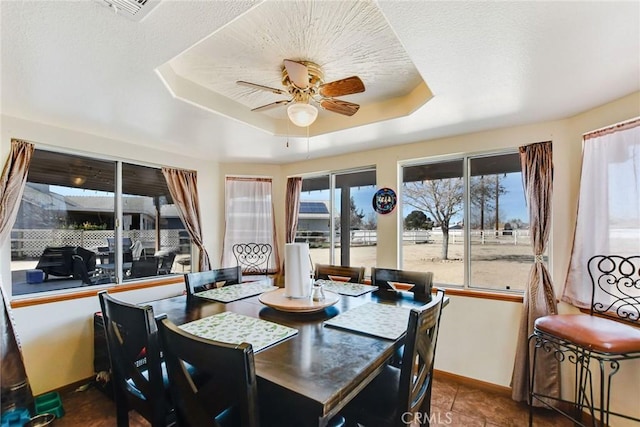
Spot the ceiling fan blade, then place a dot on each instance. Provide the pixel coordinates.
(342, 87)
(272, 105)
(261, 87)
(340, 107)
(298, 73)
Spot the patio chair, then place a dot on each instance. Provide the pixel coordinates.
(144, 268)
(165, 262)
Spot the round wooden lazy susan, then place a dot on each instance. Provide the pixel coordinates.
(278, 301)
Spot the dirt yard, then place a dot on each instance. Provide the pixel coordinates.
(499, 266)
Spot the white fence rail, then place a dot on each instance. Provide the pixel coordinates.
(370, 237)
(27, 244)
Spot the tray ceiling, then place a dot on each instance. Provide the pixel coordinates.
(345, 38)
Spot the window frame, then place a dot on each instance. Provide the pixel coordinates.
(120, 282)
(336, 259)
(466, 158)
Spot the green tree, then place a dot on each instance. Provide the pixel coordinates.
(417, 220)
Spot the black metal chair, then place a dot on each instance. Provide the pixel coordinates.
(146, 267)
(399, 396)
(253, 257)
(390, 282)
(165, 263)
(339, 273)
(134, 353)
(212, 383)
(602, 336)
(203, 280)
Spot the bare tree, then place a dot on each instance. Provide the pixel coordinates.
(485, 194)
(441, 198)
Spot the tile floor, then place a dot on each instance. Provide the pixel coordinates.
(453, 404)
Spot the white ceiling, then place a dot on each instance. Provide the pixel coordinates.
(78, 65)
(344, 38)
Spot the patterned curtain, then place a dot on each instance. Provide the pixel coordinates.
(14, 177)
(183, 186)
(14, 384)
(292, 205)
(539, 297)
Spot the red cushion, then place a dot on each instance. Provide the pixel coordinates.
(592, 332)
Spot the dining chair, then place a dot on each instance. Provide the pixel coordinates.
(390, 282)
(338, 273)
(210, 279)
(212, 383)
(136, 365)
(399, 396)
(253, 257)
(606, 336)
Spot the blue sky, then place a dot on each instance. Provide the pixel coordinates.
(512, 204)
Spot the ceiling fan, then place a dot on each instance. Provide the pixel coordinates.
(304, 83)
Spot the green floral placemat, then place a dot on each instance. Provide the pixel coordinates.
(235, 328)
(236, 292)
(346, 288)
(380, 320)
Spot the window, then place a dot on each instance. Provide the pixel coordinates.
(466, 220)
(337, 219)
(65, 231)
(249, 217)
(608, 221)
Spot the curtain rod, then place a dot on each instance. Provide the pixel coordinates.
(627, 124)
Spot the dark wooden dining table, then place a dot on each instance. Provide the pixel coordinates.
(312, 375)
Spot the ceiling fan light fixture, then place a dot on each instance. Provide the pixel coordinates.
(302, 115)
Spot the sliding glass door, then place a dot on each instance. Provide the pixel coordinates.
(337, 218)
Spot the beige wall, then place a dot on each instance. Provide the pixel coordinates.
(478, 336)
(57, 338)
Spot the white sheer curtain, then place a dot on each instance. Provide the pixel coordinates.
(249, 217)
(609, 205)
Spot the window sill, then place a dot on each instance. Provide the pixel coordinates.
(483, 294)
(29, 301)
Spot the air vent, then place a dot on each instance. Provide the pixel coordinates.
(135, 10)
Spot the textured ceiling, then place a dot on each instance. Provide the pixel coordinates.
(490, 65)
(344, 38)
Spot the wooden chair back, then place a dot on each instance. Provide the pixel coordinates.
(203, 280)
(134, 353)
(387, 279)
(339, 273)
(416, 373)
(209, 379)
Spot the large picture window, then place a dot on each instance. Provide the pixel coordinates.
(71, 215)
(466, 220)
